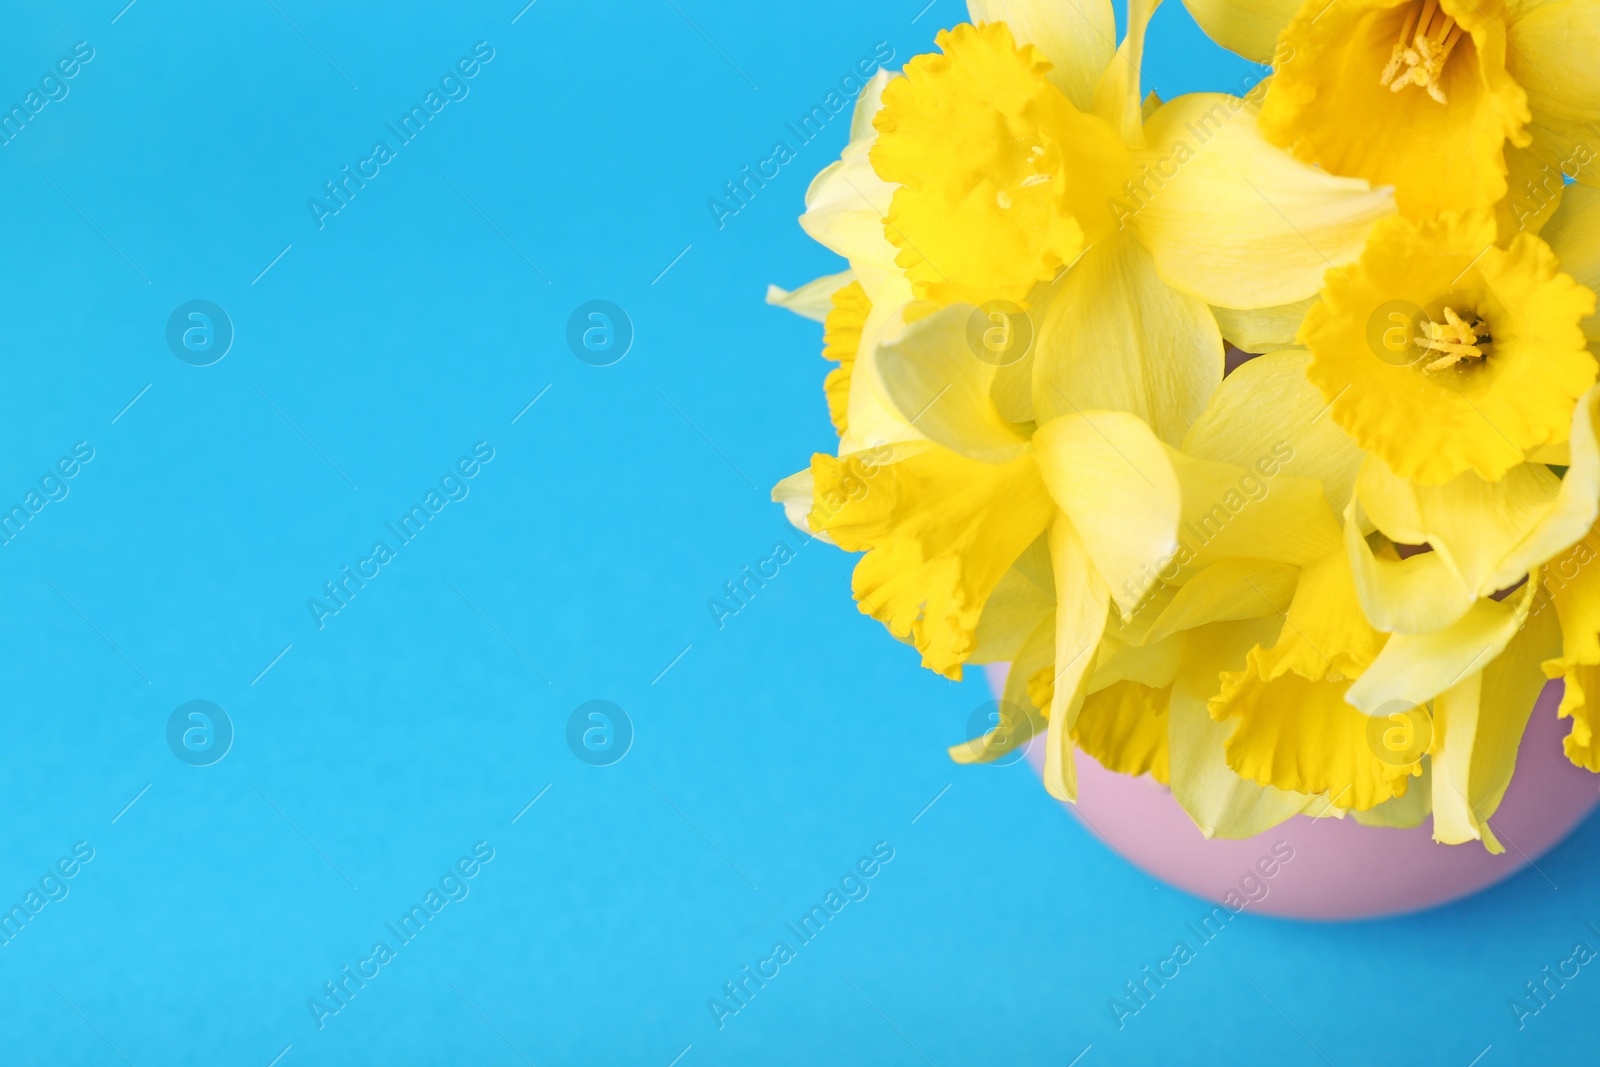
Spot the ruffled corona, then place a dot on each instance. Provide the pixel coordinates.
(1442, 353)
(994, 165)
(939, 531)
(841, 338)
(1409, 93)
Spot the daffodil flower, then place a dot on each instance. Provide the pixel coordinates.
(1457, 448)
(1453, 102)
(1376, 645)
(1001, 182)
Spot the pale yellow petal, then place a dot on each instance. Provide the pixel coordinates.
(1115, 482)
(1268, 418)
(1232, 512)
(1478, 728)
(812, 300)
(1221, 803)
(1266, 329)
(1153, 665)
(1239, 222)
(1024, 597)
(1083, 604)
(1573, 233)
(1415, 595)
(1226, 591)
(795, 494)
(1117, 98)
(1115, 336)
(1493, 533)
(940, 385)
(1474, 524)
(1036, 652)
(846, 204)
(1248, 27)
(871, 418)
(1078, 37)
(1552, 56)
(1415, 668)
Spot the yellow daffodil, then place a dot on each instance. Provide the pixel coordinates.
(1001, 181)
(1022, 149)
(1453, 102)
(1387, 667)
(1442, 353)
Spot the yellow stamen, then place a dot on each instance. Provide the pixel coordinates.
(1455, 339)
(1426, 41)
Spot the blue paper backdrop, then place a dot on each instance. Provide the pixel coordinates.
(375, 748)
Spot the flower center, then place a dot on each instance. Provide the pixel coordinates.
(1426, 41)
(1453, 340)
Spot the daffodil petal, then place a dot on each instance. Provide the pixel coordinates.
(1153, 664)
(1083, 605)
(1260, 330)
(1493, 533)
(940, 385)
(1228, 590)
(1555, 42)
(1415, 595)
(795, 493)
(1116, 97)
(1248, 27)
(1293, 729)
(1020, 600)
(1239, 222)
(846, 204)
(1573, 584)
(1124, 727)
(1298, 734)
(1414, 668)
(1036, 652)
(1573, 234)
(1474, 524)
(1221, 803)
(1078, 37)
(1116, 336)
(1231, 511)
(1403, 812)
(1478, 728)
(1268, 418)
(1114, 480)
(814, 299)
(1537, 190)
(871, 418)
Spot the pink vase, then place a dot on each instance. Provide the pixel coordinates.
(1340, 869)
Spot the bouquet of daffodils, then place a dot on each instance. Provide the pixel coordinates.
(1256, 433)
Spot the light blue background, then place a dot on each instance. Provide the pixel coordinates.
(429, 712)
